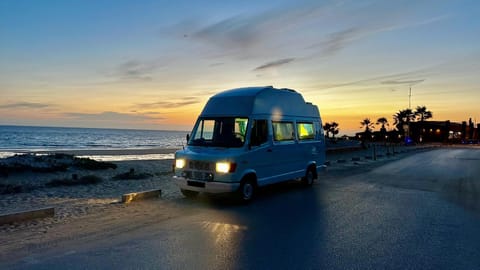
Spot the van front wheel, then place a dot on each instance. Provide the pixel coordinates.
(309, 177)
(246, 191)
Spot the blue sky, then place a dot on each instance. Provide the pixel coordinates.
(153, 64)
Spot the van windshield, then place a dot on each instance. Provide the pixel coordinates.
(220, 132)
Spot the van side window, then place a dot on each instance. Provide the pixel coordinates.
(306, 131)
(259, 133)
(283, 131)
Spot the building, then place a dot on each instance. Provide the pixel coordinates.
(429, 131)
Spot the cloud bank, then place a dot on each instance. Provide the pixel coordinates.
(25, 105)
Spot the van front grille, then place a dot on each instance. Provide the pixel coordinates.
(200, 165)
(197, 175)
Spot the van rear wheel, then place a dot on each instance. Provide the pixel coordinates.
(189, 193)
(309, 177)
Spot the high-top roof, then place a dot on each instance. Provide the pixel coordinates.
(259, 100)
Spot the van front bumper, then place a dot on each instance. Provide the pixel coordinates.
(203, 186)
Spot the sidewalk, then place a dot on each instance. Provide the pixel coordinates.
(373, 151)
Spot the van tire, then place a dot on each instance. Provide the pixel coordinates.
(310, 176)
(189, 193)
(247, 190)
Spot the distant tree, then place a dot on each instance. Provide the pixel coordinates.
(384, 122)
(327, 127)
(403, 117)
(422, 113)
(367, 124)
(332, 128)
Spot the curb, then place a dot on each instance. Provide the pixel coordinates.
(142, 195)
(27, 215)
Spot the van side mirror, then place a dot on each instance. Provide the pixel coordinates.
(188, 137)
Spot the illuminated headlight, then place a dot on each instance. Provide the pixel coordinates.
(225, 167)
(179, 163)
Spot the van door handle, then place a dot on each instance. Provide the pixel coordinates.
(269, 150)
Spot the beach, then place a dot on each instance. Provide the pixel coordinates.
(72, 202)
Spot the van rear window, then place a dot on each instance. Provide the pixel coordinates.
(306, 131)
(283, 131)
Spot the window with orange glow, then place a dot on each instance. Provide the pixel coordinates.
(306, 131)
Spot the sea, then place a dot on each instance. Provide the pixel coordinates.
(35, 139)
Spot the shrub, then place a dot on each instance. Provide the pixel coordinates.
(84, 180)
(10, 189)
(90, 164)
(131, 175)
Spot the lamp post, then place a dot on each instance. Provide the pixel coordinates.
(410, 98)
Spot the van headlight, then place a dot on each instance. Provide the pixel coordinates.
(225, 167)
(179, 163)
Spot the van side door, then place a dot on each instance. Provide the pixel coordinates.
(285, 150)
(260, 156)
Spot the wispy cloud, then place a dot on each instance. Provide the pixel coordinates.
(169, 104)
(409, 82)
(249, 35)
(392, 79)
(332, 26)
(336, 41)
(136, 70)
(109, 116)
(25, 105)
(274, 64)
(237, 31)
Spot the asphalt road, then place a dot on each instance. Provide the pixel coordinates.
(418, 212)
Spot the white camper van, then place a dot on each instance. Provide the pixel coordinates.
(250, 137)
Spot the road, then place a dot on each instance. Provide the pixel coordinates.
(418, 212)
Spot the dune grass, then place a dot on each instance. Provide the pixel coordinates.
(84, 180)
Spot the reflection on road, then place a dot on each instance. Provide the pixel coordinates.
(222, 232)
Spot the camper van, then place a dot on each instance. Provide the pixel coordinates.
(250, 137)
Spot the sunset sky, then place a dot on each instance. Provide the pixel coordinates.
(154, 64)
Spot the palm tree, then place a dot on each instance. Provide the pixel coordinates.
(334, 129)
(327, 128)
(384, 122)
(367, 124)
(403, 117)
(422, 113)
(331, 127)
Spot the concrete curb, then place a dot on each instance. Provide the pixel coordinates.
(142, 195)
(27, 215)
